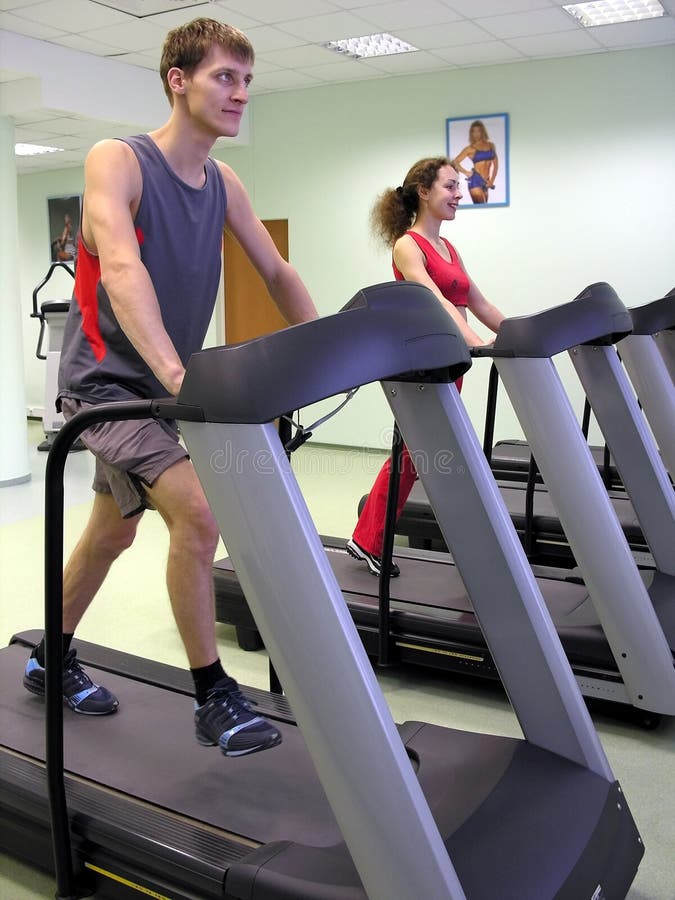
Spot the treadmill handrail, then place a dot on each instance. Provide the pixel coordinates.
(600, 319)
(53, 548)
(385, 330)
(659, 315)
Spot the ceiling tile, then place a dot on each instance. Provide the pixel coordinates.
(300, 57)
(16, 4)
(64, 125)
(634, 34)
(332, 27)
(10, 22)
(84, 44)
(488, 53)
(542, 21)
(7, 75)
(474, 9)
(560, 44)
(274, 11)
(128, 36)
(344, 70)
(451, 35)
(408, 63)
(406, 14)
(79, 16)
(356, 5)
(283, 81)
(266, 38)
(176, 17)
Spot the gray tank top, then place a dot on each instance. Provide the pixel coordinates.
(179, 230)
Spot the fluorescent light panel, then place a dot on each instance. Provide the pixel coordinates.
(34, 149)
(369, 45)
(609, 12)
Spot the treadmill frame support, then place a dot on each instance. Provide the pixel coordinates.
(636, 456)
(665, 341)
(327, 676)
(655, 388)
(485, 548)
(614, 583)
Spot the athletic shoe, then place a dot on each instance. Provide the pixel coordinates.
(79, 691)
(226, 719)
(373, 562)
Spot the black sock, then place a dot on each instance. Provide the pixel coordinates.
(205, 678)
(39, 652)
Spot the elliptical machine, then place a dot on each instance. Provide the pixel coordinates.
(52, 315)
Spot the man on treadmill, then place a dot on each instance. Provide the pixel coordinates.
(149, 262)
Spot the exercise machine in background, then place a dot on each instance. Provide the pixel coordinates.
(52, 315)
(616, 624)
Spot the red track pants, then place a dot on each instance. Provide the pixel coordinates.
(369, 531)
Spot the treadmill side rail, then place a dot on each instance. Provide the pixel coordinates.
(619, 595)
(317, 653)
(499, 580)
(655, 388)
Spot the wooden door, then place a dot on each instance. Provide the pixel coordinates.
(249, 309)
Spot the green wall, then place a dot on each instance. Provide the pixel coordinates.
(591, 177)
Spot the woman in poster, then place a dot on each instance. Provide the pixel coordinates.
(483, 155)
(66, 246)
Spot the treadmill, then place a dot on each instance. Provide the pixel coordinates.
(653, 380)
(349, 806)
(616, 624)
(533, 512)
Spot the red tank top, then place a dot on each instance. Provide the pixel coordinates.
(449, 277)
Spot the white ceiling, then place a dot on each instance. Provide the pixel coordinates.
(286, 35)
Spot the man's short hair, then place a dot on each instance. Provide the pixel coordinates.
(186, 46)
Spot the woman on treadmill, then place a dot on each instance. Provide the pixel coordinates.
(409, 218)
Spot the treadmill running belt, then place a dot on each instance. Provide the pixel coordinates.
(147, 750)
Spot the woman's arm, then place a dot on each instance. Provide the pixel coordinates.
(409, 261)
(466, 153)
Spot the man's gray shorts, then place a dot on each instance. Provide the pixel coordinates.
(129, 455)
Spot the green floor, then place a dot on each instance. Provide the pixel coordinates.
(132, 613)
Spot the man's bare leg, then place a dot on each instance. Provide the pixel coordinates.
(105, 537)
(193, 538)
(223, 716)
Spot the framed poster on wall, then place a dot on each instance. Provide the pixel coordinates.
(479, 146)
(64, 225)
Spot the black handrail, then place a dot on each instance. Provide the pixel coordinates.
(39, 313)
(384, 641)
(66, 888)
(490, 412)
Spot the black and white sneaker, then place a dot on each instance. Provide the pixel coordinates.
(373, 562)
(226, 719)
(80, 693)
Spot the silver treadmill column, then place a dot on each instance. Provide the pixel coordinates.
(632, 446)
(288, 582)
(648, 370)
(523, 352)
(665, 341)
(489, 556)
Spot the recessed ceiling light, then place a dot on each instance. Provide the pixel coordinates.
(609, 12)
(34, 149)
(369, 45)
